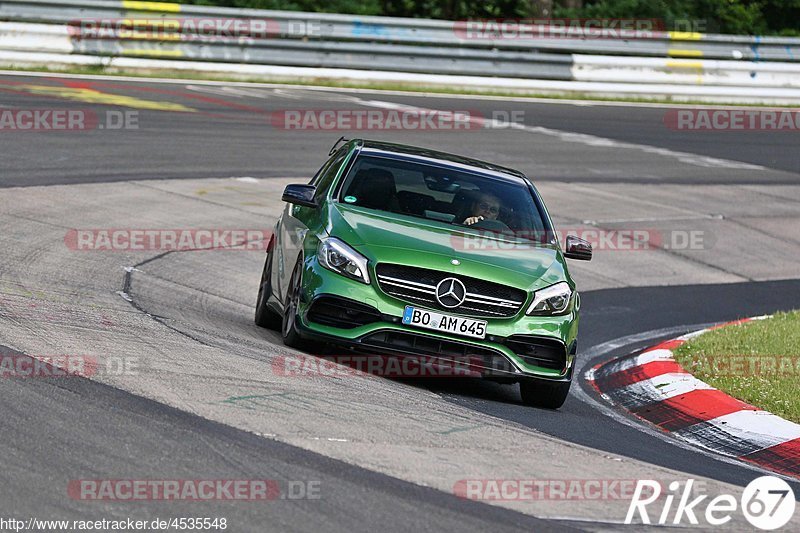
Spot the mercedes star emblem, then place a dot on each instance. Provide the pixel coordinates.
(450, 292)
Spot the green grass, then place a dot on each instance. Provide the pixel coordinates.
(176, 75)
(757, 362)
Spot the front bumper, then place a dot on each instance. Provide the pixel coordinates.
(514, 348)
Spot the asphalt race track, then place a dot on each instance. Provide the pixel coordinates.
(206, 403)
(183, 143)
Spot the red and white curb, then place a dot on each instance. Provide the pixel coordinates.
(655, 388)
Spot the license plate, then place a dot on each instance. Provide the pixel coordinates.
(423, 318)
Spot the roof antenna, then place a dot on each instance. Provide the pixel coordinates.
(336, 144)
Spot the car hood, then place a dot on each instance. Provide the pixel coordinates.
(394, 238)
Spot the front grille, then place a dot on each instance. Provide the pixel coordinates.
(539, 351)
(418, 286)
(490, 361)
(341, 312)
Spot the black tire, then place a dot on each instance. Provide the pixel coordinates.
(547, 394)
(291, 337)
(266, 317)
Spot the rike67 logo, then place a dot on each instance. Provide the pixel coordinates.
(767, 503)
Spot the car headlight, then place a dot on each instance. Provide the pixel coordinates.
(336, 255)
(552, 300)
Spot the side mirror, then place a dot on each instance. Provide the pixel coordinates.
(577, 248)
(300, 194)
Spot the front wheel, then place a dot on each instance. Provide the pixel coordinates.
(547, 394)
(265, 316)
(291, 337)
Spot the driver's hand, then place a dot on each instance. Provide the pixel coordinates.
(472, 220)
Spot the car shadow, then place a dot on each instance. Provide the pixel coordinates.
(456, 384)
(475, 388)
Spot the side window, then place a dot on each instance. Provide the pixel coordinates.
(322, 181)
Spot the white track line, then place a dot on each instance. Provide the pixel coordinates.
(582, 138)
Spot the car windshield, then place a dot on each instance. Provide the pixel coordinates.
(444, 194)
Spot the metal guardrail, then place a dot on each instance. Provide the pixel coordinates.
(294, 52)
(397, 31)
(42, 31)
(349, 55)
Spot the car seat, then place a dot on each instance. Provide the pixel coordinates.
(374, 188)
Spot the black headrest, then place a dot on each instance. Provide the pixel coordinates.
(374, 187)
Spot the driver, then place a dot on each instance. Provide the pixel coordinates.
(485, 207)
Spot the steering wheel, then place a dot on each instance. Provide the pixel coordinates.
(491, 225)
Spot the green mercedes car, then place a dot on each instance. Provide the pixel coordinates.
(402, 251)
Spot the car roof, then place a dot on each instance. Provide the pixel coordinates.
(387, 149)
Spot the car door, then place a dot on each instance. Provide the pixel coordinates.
(294, 223)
